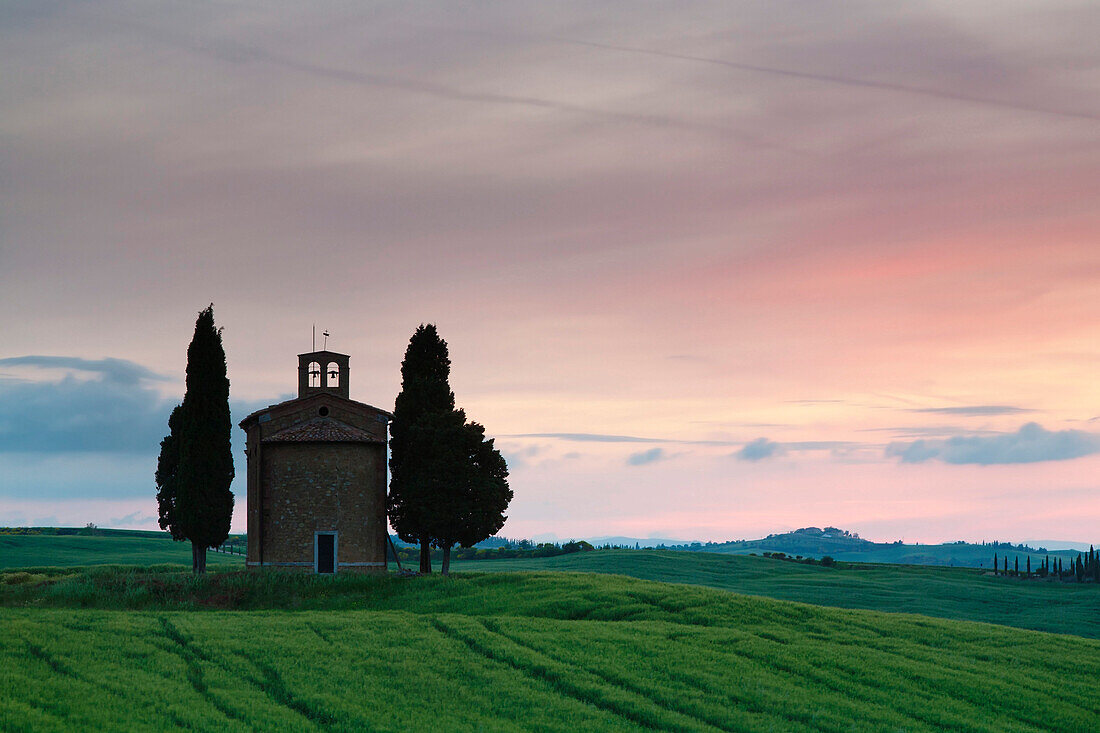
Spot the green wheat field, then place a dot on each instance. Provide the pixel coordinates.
(536, 645)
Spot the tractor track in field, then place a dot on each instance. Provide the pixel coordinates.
(192, 657)
(51, 661)
(276, 689)
(745, 703)
(560, 685)
(919, 656)
(320, 634)
(492, 627)
(57, 715)
(555, 681)
(58, 667)
(270, 682)
(848, 685)
(61, 668)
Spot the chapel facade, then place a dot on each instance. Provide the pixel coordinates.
(317, 476)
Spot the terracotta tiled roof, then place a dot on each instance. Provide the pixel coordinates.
(322, 430)
(318, 397)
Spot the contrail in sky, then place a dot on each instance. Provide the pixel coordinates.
(448, 92)
(238, 53)
(842, 80)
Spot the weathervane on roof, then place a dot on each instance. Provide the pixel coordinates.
(324, 333)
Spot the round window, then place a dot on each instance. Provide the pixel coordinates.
(323, 412)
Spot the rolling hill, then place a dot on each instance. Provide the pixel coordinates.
(106, 547)
(511, 651)
(841, 545)
(956, 593)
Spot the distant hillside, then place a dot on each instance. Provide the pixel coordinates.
(68, 546)
(618, 541)
(955, 593)
(62, 547)
(844, 545)
(88, 531)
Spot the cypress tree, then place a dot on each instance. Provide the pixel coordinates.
(996, 569)
(471, 506)
(422, 417)
(203, 503)
(1016, 569)
(1029, 566)
(167, 465)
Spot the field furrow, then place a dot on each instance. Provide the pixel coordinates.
(518, 652)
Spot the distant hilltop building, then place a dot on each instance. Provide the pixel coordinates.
(317, 476)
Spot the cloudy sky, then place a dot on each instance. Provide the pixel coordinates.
(707, 270)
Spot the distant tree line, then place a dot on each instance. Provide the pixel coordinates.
(1009, 546)
(88, 530)
(523, 549)
(825, 561)
(43, 530)
(1085, 568)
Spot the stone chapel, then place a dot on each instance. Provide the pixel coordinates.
(317, 476)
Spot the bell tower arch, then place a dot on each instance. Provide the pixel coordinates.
(323, 371)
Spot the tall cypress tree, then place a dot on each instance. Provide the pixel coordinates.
(422, 416)
(471, 505)
(201, 505)
(995, 568)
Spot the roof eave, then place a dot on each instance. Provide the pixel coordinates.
(248, 420)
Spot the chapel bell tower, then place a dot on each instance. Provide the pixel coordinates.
(317, 476)
(323, 371)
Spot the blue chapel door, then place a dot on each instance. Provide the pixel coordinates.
(325, 552)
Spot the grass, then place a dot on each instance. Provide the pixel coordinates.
(956, 593)
(953, 593)
(509, 651)
(18, 551)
